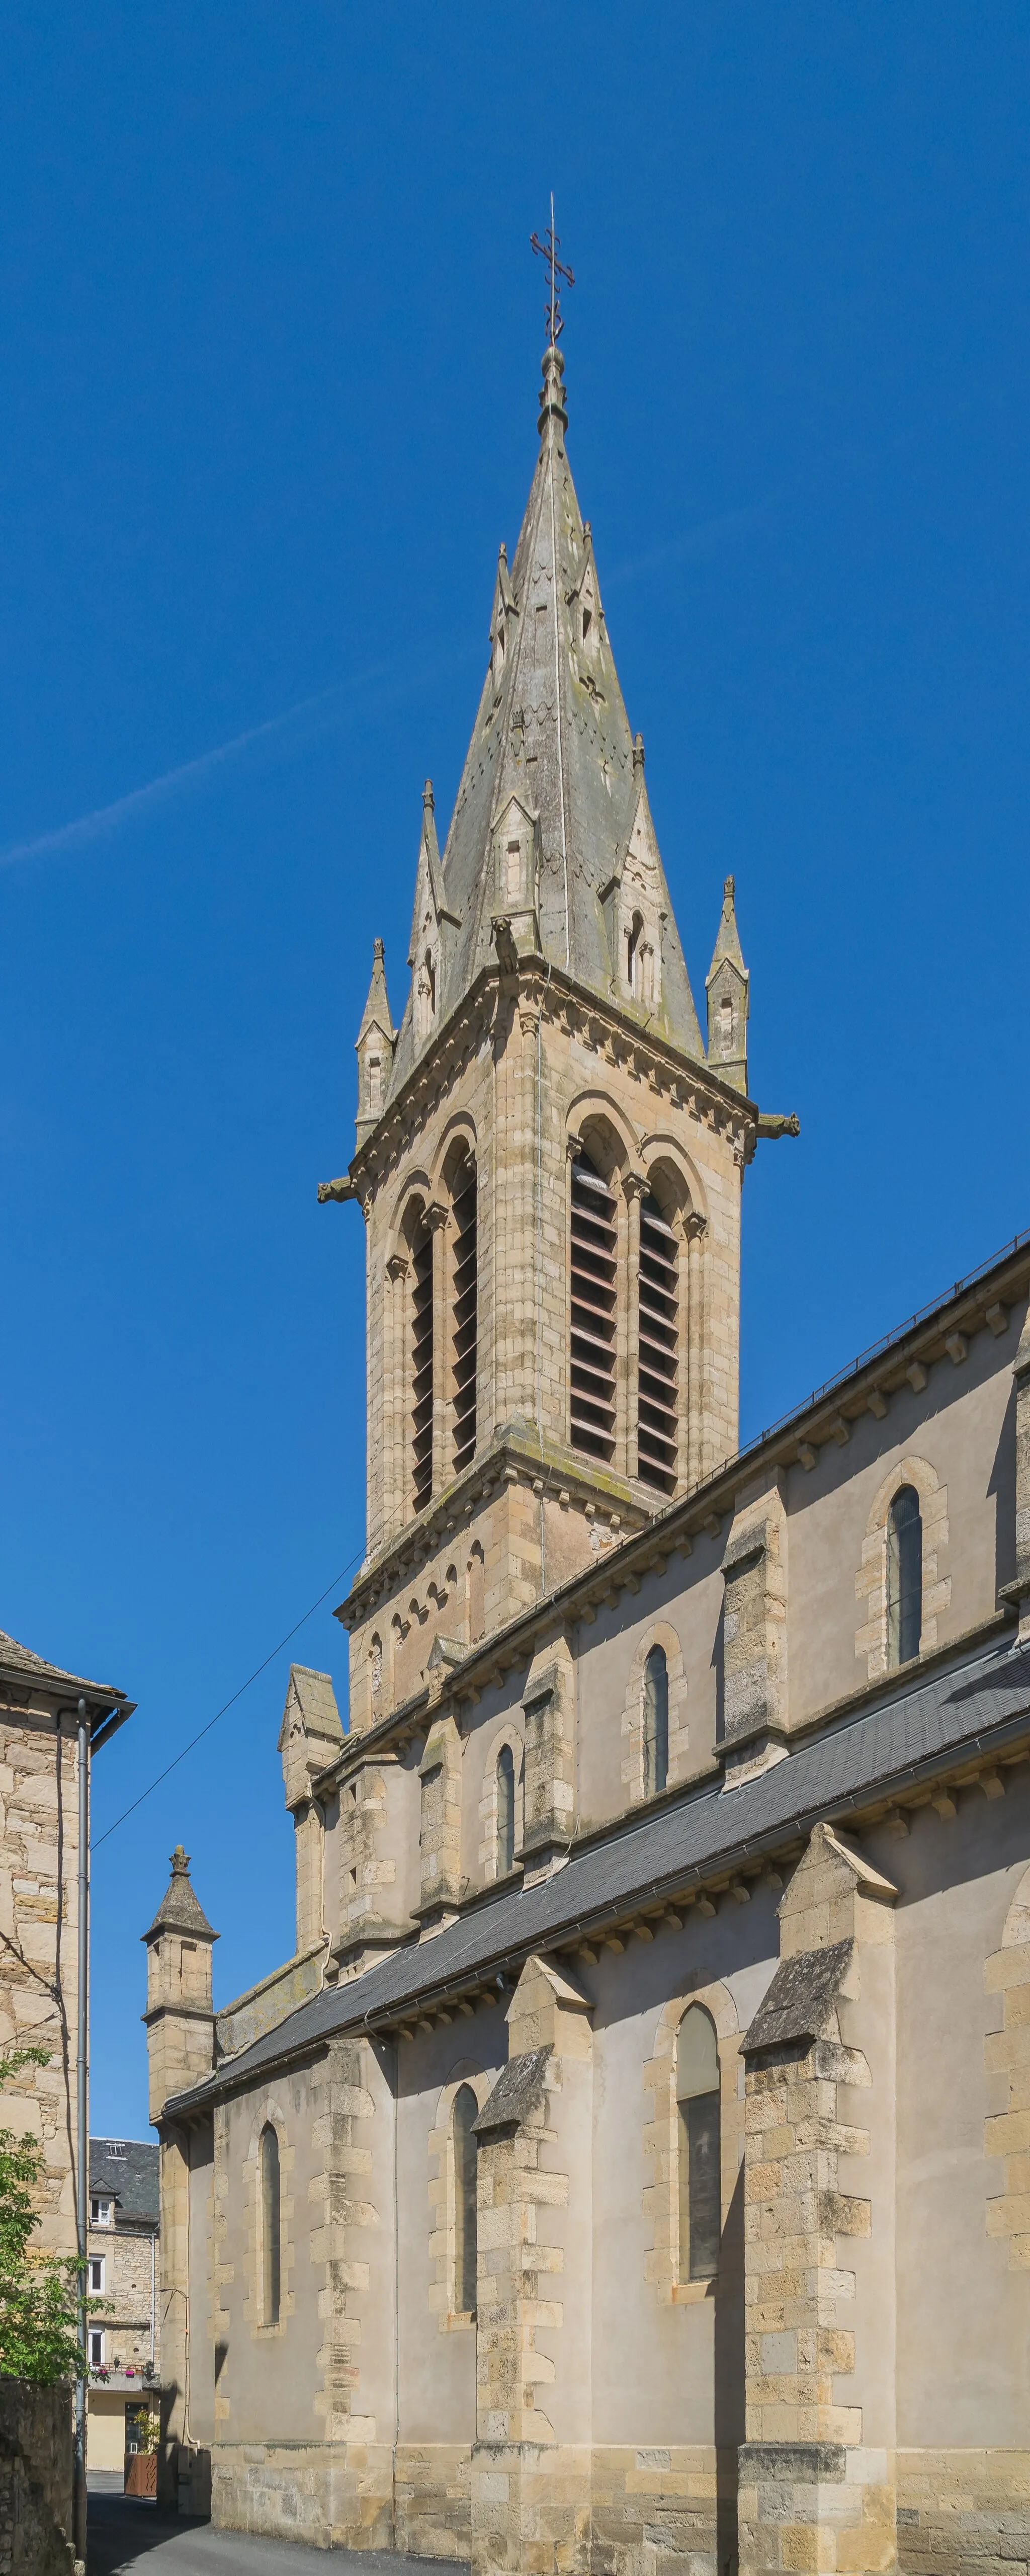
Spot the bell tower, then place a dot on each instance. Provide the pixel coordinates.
(549, 1164)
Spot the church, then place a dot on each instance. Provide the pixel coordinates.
(630, 2169)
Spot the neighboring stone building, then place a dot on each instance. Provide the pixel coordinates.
(42, 1711)
(631, 2167)
(122, 2249)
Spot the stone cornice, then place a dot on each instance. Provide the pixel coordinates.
(729, 1875)
(511, 1458)
(620, 1040)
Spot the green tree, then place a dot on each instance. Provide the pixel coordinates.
(40, 2297)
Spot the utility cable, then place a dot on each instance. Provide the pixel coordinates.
(226, 1705)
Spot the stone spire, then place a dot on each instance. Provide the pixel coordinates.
(726, 984)
(550, 768)
(180, 1909)
(374, 1047)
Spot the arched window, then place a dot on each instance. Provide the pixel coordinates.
(593, 1285)
(464, 1313)
(422, 1367)
(657, 1441)
(466, 2110)
(505, 1811)
(700, 2189)
(656, 1722)
(904, 1576)
(271, 2253)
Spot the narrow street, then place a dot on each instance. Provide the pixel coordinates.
(126, 2535)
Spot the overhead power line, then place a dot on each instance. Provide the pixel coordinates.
(226, 1705)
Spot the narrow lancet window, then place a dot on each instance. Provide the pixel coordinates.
(505, 1811)
(271, 2258)
(592, 1357)
(466, 2110)
(700, 2188)
(904, 1577)
(657, 1426)
(656, 1722)
(422, 1368)
(464, 1314)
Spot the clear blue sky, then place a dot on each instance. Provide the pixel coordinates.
(271, 334)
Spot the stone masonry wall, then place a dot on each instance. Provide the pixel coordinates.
(35, 2480)
(38, 1979)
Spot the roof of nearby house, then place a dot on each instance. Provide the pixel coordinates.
(972, 1706)
(129, 2176)
(15, 1658)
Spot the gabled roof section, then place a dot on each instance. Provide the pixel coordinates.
(310, 1706)
(552, 728)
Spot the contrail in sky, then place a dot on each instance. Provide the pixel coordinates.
(309, 717)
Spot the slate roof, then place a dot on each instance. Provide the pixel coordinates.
(799, 1998)
(15, 1658)
(571, 758)
(130, 2178)
(922, 1727)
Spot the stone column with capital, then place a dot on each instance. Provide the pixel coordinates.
(695, 1230)
(395, 1390)
(438, 1221)
(634, 1189)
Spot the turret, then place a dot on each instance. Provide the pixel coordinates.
(727, 987)
(180, 2018)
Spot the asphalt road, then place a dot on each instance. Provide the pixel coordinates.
(125, 2536)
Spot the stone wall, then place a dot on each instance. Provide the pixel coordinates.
(38, 1985)
(35, 2480)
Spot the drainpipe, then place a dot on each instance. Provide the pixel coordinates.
(82, 2105)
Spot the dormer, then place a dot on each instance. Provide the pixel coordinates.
(374, 1048)
(584, 601)
(431, 920)
(726, 984)
(633, 902)
(516, 870)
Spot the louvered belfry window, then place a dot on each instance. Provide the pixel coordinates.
(592, 1370)
(422, 1368)
(657, 1431)
(464, 1314)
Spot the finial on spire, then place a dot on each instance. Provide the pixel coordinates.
(638, 753)
(180, 1862)
(428, 798)
(547, 250)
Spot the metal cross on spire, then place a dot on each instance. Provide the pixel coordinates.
(548, 250)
